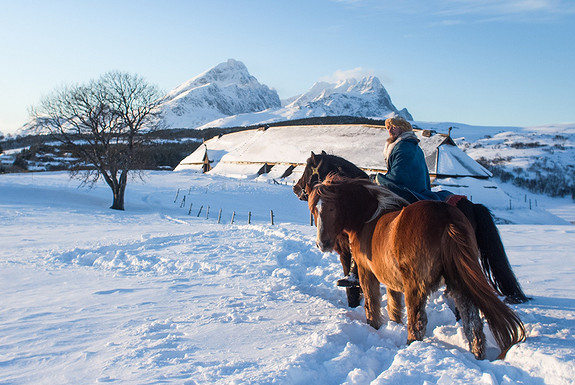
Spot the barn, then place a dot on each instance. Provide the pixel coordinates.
(279, 154)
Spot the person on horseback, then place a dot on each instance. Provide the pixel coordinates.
(407, 174)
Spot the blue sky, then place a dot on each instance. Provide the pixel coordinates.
(484, 62)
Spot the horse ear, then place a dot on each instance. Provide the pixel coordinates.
(323, 152)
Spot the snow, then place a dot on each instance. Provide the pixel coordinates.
(164, 294)
(293, 144)
(452, 161)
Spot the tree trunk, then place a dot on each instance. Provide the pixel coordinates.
(118, 203)
(119, 189)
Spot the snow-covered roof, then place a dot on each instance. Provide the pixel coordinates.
(243, 153)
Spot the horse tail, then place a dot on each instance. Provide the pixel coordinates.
(463, 273)
(494, 260)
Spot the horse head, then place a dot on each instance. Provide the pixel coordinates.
(319, 166)
(338, 204)
(313, 174)
(328, 215)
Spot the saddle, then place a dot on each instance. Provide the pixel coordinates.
(454, 199)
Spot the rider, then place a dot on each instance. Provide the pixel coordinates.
(407, 174)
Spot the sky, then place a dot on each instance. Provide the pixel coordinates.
(480, 62)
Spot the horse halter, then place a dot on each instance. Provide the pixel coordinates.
(314, 172)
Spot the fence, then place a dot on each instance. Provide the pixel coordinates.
(181, 199)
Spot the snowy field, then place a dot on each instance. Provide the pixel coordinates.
(162, 293)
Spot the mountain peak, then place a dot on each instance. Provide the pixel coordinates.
(231, 71)
(362, 85)
(224, 90)
(226, 73)
(351, 96)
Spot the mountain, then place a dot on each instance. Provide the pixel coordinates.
(227, 95)
(365, 97)
(225, 90)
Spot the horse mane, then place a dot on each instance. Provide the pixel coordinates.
(336, 187)
(343, 166)
(387, 200)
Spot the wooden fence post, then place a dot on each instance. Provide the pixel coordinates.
(199, 212)
(177, 194)
(190, 210)
(272, 216)
(249, 217)
(220, 216)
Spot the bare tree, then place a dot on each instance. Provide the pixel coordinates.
(104, 122)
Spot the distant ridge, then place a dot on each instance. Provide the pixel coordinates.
(317, 120)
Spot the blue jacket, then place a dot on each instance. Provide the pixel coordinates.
(407, 173)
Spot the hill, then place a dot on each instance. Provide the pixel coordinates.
(540, 159)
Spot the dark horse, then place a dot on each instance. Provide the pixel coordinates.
(411, 249)
(493, 259)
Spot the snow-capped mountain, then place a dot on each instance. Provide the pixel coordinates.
(227, 95)
(225, 90)
(364, 97)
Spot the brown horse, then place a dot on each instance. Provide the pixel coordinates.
(494, 261)
(412, 249)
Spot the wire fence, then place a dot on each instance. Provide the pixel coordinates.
(207, 212)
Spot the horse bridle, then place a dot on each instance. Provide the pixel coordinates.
(314, 172)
